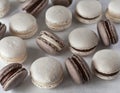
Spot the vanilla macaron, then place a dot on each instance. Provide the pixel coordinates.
(4, 7)
(83, 41)
(113, 11)
(46, 72)
(58, 18)
(12, 50)
(106, 64)
(88, 11)
(23, 25)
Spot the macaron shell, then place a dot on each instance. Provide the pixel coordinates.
(15, 80)
(102, 33)
(114, 8)
(73, 72)
(83, 38)
(50, 71)
(88, 21)
(112, 18)
(89, 9)
(107, 61)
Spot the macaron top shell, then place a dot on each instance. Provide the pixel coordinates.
(46, 70)
(22, 22)
(114, 7)
(3, 4)
(12, 47)
(89, 8)
(83, 38)
(107, 61)
(58, 14)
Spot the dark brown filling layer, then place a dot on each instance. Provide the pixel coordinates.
(86, 18)
(104, 74)
(35, 6)
(87, 50)
(2, 27)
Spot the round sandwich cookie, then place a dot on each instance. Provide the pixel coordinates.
(50, 43)
(23, 25)
(88, 11)
(34, 7)
(83, 41)
(106, 64)
(12, 75)
(113, 11)
(2, 30)
(78, 69)
(12, 50)
(107, 32)
(58, 18)
(4, 7)
(46, 72)
(62, 2)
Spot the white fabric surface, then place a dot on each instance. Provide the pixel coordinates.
(68, 86)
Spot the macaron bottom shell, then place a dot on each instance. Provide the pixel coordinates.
(48, 86)
(105, 76)
(26, 34)
(112, 18)
(88, 20)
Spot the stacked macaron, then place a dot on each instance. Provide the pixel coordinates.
(47, 72)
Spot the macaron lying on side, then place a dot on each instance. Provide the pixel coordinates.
(12, 75)
(13, 50)
(46, 72)
(50, 42)
(106, 64)
(83, 41)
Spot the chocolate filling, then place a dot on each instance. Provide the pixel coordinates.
(104, 74)
(86, 18)
(8, 75)
(87, 50)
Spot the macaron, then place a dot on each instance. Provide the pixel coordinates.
(106, 64)
(62, 2)
(50, 43)
(34, 7)
(46, 72)
(58, 18)
(88, 11)
(83, 41)
(78, 69)
(2, 30)
(4, 7)
(23, 25)
(12, 75)
(113, 11)
(107, 32)
(13, 50)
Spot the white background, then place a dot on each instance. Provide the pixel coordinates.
(68, 86)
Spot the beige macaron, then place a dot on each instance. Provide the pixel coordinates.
(58, 18)
(23, 25)
(113, 11)
(13, 50)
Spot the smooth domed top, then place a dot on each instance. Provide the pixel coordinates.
(58, 15)
(46, 70)
(89, 8)
(22, 21)
(114, 7)
(83, 38)
(107, 61)
(12, 47)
